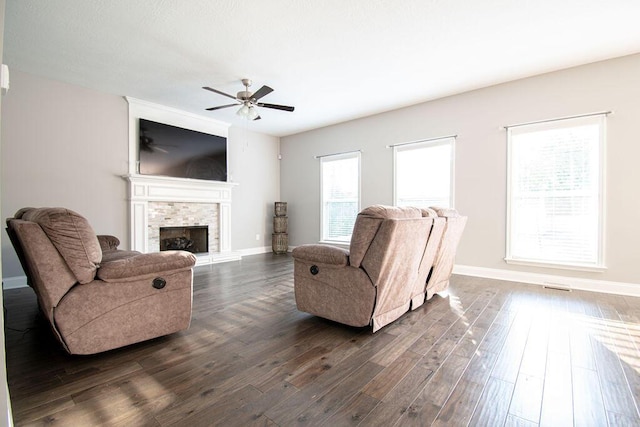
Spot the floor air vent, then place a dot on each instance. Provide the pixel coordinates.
(557, 287)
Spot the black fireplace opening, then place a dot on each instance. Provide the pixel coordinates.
(194, 239)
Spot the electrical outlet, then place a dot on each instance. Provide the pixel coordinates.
(257, 237)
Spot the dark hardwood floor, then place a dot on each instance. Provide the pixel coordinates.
(490, 354)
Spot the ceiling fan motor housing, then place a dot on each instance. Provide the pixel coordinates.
(244, 95)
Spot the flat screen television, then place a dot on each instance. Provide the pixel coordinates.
(167, 150)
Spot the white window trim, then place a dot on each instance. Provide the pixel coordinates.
(333, 157)
(445, 140)
(600, 265)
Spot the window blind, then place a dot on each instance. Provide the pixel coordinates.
(340, 182)
(555, 187)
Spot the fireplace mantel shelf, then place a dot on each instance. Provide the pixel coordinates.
(169, 189)
(188, 181)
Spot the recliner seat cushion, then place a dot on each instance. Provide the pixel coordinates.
(72, 236)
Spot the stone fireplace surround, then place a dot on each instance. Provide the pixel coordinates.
(156, 201)
(182, 214)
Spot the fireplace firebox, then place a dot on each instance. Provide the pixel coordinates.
(194, 239)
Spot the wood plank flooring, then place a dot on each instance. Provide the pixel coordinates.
(490, 354)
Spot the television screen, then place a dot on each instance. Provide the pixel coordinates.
(183, 153)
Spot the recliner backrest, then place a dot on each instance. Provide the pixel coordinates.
(73, 237)
(367, 224)
(57, 249)
(46, 270)
(388, 243)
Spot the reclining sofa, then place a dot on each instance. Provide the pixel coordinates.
(398, 258)
(95, 296)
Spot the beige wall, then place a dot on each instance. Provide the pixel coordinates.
(254, 165)
(64, 145)
(480, 179)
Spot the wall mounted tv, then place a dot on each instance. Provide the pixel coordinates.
(183, 153)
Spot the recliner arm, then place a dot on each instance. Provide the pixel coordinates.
(138, 266)
(108, 243)
(322, 254)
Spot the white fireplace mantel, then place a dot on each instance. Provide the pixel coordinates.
(146, 188)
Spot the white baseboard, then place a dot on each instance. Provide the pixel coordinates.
(14, 282)
(603, 286)
(217, 257)
(255, 251)
(261, 250)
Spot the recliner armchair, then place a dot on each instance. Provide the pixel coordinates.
(375, 281)
(97, 297)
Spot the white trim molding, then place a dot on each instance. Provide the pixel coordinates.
(564, 282)
(557, 265)
(144, 189)
(255, 251)
(14, 282)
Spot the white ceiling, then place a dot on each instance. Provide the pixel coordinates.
(334, 60)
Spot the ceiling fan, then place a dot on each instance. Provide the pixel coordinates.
(248, 101)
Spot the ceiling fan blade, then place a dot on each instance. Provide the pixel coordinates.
(218, 92)
(276, 107)
(221, 106)
(264, 90)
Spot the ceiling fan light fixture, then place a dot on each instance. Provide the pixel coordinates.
(244, 111)
(253, 113)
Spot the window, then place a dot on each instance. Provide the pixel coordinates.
(424, 173)
(555, 192)
(340, 181)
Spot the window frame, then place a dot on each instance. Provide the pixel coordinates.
(329, 158)
(599, 265)
(427, 143)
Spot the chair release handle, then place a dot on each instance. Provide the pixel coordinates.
(159, 283)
